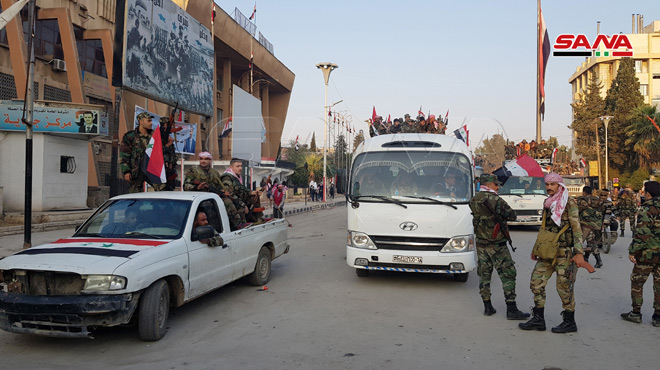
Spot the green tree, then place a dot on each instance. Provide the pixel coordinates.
(358, 139)
(312, 145)
(623, 98)
(644, 137)
(586, 111)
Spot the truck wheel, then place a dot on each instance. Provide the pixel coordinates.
(261, 272)
(462, 277)
(154, 311)
(362, 272)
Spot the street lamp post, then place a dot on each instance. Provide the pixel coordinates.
(326, 68)
(606, 121)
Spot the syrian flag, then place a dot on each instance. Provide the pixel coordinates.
(544, 55)
(389, 120)
(523, 166)
(254, 12)
(374, 115)
(583, 163)
(226, 129)
(554, 154)
(420, 113)
(213, 14)
(296, 145)
(447, 116)
(154, 164)
(462, 133)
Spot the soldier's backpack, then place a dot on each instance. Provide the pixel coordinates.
(546, 246)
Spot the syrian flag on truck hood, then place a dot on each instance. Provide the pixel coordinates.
(154, 163)
(523, 166)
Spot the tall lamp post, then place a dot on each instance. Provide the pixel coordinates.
(606, 121)
(326, 68)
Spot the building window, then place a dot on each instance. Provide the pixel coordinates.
(644, 89)
(640, 66)
(90, 54)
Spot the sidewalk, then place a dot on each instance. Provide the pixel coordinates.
(56, 220)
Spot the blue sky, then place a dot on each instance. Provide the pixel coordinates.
(476, 59)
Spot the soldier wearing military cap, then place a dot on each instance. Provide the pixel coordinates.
(489, 216)
(132, 152)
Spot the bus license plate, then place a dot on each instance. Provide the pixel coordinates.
(407, 259)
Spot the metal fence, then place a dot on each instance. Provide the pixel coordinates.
(265, 43)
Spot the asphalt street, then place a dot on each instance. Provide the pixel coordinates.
(317, 314)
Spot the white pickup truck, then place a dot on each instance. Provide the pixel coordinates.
(133, 259)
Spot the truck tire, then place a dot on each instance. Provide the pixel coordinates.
(261, 272)
(462, 277)
(362, 272)
(154, 311)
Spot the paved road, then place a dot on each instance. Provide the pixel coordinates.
(317, 314)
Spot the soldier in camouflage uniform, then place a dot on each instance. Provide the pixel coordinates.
(644, 253)
(132, 152)
(627, 208)
(591, 222)
(243, 197)
(205, 178)
(492, 250)
(559, 210)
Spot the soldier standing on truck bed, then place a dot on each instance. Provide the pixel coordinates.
(489, 215)
(132, 152)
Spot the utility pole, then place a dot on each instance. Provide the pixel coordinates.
(326, 68)
(27, 120)
(606, 121)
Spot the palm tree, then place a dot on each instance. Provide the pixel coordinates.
(644, 135)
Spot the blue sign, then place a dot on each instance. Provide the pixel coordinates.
(61, 118)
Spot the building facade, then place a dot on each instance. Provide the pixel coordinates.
(74, 44)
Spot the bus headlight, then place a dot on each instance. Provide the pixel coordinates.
(360, 240)
(461, 243)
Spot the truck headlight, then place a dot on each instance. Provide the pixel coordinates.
(461, 243)
(360, 240)
(98, 283)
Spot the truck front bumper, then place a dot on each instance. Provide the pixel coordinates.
(64, 316)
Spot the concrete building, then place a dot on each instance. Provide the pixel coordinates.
(81, 34)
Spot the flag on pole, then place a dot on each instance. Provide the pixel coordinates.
(583, 163)
(251, 59)
(389, 119)
(447, 116)
(374, 115)
(213, 14)
(462, 133)
(523, 166)
(295, 145)
(554, 154)
(254, 12)
(420, 113)
(226, 129)
(544, 55)
(154, 164)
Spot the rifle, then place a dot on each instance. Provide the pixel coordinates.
(501, 225)
(221, 192)
(167, 129)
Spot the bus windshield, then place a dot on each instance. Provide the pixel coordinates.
(519, 185)
(409, 175)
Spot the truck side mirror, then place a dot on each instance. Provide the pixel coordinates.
(203, 232)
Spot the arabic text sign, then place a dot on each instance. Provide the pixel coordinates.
(54, 119)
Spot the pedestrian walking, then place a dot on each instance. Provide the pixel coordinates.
(332, 189)
(489, 216)
(644, 253)
(558, 249)
(279, 195)
(627, 208)
(591, 222)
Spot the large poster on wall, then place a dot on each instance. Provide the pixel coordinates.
(168, 55)
(185, 140)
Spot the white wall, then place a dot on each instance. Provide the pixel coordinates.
(50, 188)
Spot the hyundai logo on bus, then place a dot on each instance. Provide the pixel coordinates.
(408, 226)
(568, 45)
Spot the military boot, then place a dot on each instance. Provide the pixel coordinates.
(632, 316)
(568, 325)
(586, 256)
(513, 313)
(536, 322)
(655, 320)
(488, 308)
(621, 232)
(599, 261)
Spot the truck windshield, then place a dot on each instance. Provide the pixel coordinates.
(409, 176)
(138, 218)
(520, 185)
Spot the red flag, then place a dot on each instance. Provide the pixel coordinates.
(154, 163)
(251, 59)
(373, 115)
(554, 155)
(420, 113)
(213, 14)
(388, 119)
(447, 115)
(254, 12)
(544, 55)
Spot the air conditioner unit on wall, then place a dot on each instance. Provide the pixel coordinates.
(59, 65)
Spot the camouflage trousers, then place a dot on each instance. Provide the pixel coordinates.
(623, 215)
(496, 257)
(137, 185)
(542, 273)
(236, 217)
(638, 277)
(594, 239)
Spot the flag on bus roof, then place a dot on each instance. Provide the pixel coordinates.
(462, 133)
